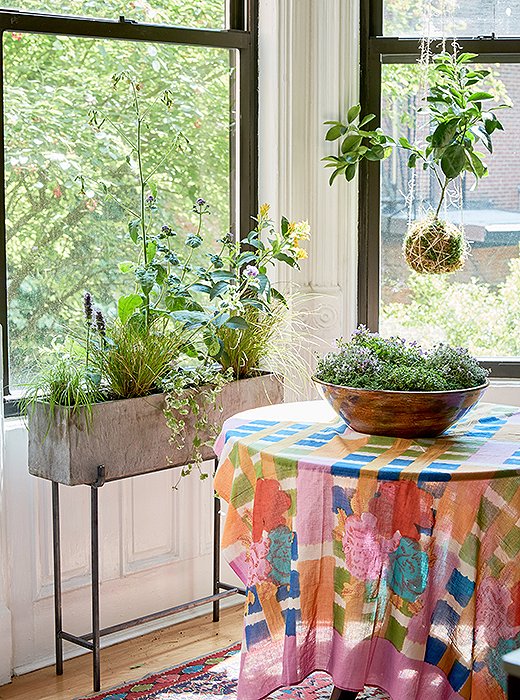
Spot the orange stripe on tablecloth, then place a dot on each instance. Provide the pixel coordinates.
(246, 463)
(268, 466)
(436, 450)
(339, 447)
(396, 450)
(224, 479)
(235, 528)
(317, 590)
(266, 591)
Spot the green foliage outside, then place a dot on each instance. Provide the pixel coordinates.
(483, 318)
(62, 238)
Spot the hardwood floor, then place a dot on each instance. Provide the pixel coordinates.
(130, 660)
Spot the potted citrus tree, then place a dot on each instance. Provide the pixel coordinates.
(459, 125)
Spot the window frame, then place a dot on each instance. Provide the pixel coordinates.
(240, 35)
(376, 50)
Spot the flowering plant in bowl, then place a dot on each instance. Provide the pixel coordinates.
(388, 386)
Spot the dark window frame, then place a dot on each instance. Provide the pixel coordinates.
(241, 35)
(376, 50)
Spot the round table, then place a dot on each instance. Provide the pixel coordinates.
(380, 561)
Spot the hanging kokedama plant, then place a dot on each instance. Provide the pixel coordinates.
(458, 125)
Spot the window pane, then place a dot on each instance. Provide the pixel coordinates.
(196, 13)
(451, 17)
(478, 306)
(62, 241)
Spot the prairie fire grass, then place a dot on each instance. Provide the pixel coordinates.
(272, 341)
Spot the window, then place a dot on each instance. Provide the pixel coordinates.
(189, 13)
(67, 184)
(478, 306)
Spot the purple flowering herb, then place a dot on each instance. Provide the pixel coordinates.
(150, 199)
(251, 271)
(87, 306)
(99, 322)
(200, 202)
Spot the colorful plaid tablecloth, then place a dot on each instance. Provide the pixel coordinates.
(383, 561)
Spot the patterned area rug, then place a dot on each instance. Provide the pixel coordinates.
(215, 676)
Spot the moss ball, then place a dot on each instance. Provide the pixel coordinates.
(435, 247)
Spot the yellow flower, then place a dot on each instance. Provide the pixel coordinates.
(301, 254)
(301, 231)
(264, 211)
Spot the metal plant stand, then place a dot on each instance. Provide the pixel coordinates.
(91, 640)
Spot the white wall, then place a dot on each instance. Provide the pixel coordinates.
(309, 67)
(155, 552)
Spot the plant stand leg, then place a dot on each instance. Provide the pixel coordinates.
(216, 555)
(94, 549)
(56, 548)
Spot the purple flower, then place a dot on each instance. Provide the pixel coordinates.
(165, 228)
(251, 271)
(99, 322)
(201, 202)
(150, 199)
(87, 306)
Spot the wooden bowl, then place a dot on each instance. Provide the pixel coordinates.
(406, 414)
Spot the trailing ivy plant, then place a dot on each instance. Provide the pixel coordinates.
(184, 397)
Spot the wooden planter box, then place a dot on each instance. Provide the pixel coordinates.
(130, 436)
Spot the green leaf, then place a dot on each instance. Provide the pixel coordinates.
(351, 143)
(479, 96)
(412, 160)
(377, 152)
(286, 259)
(213, 344)
(334, 133)
(483, 135)
(403, 141)
(151, 249)
(218, 289)
(453, 161)
(278, 296)
(479, 168)
(133, 229)
(127, 305)
(193, 318)
(200, 287)
(263, 283)
(350, 172)
(222, 275)
(334, 175)
(221, 319)
(466, 57)
(126, 266)
(245, 257)
(353, 113)
(444, 133)
(284, 226)
(237, 322)
(366, 119)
